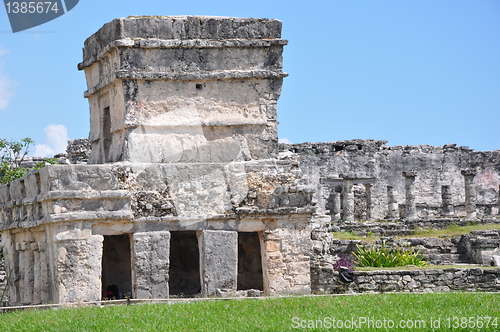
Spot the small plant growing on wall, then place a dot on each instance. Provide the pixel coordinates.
(388, 257)
(344, 265)
(343, 261)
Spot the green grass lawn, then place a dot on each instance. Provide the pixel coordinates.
(274, 314)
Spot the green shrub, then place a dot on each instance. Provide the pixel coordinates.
(388, 256)
(12, 154)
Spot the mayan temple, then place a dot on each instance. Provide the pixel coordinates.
(187, 191)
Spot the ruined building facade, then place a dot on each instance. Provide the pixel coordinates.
(183, 192)
(186, 189)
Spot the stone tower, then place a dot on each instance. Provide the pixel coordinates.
(184, 89)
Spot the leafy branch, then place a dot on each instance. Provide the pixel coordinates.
(12, 154)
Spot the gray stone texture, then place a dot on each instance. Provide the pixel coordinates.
(219, 261)
(326, 281)
(150, 263)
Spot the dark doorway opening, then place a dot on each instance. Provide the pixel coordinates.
(249, 262)
(184, 274)
(116, 267)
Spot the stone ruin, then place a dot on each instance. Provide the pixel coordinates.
(185, 189)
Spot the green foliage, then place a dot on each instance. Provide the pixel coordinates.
(12, 154)
(388, 256)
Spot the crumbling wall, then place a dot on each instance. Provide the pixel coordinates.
(438, 183)
(326, 281)
(78, 151)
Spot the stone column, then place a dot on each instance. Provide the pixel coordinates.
(11, 252)
(218, 261)
(348, 209)
(19, 277)
(37, 291)
(44, 273)
(368, 189)
(392, 204)
(411, 207)
(150, 264)
(447, 198)
(78, 266)
(470, 193)
(336, 203)
(25, 272)
(29, 273)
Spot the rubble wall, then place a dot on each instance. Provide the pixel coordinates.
(326, 281)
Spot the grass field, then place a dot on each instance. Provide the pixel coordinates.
(369, 312)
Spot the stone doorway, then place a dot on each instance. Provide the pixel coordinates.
(184, 276)
(116, 267)
(249, 261)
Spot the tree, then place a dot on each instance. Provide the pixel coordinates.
(12, 154)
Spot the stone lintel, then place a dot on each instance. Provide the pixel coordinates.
(355, 180)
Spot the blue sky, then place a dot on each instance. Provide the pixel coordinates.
(410, 72)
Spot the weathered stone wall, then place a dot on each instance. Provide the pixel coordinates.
(326, 281)
(53, 220)
(287, 261)
(434, 185)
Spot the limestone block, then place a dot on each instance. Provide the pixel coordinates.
(32, 185)
(17, 189)
(150, 259)
(78, 177)
(219, 260)
(78, 271)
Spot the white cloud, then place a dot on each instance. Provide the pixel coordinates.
(56, 135)
(6, 84)
(43, 150)
(284, 140)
